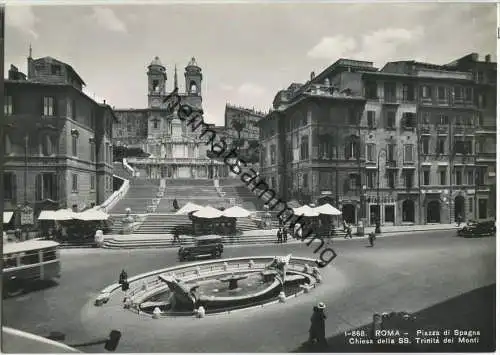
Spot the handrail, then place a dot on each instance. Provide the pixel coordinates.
(128, 167)
(116, 196)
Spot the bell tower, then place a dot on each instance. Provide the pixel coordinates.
(193, 78)
(157, 79)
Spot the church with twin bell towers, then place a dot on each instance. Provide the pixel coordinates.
(170, 148)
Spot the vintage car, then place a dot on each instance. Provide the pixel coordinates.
(203, 246)
(477, 229)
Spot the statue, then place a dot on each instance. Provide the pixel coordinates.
(182, 298)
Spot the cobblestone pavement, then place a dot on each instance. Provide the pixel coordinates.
(407, 273)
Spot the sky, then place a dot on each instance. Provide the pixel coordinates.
(247, 51)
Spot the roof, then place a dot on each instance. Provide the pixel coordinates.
(68, 67)
(28, 245)
(113, 114)
(156, 61)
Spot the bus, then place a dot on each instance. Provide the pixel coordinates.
(27, 262)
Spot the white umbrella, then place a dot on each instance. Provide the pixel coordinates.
(208, 212)
(64, 215)
(236, 212)
(188, 208)
(328, 209)
(305, 211)
(46, 216)
(92, 215)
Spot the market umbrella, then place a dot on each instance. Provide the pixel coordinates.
(64, 215)
(92, 215)
(236, 212)
(328, 209)
(208, 212)
(188, 208)
(47, 216)
(305, 211)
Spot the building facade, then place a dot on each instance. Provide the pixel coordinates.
(405, 140)
(175, 150)
(58, 140)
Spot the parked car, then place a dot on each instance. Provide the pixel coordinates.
(478, 229)
(203, 246)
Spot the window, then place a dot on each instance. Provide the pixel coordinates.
(74, 183)
(468, 146)
(426, 92)
(391, 119)
(408, 92)
(353, 116)
(458, 93)
(110, 148)
(481, 102)
(371, 91)
(55, 69)
(371, 119)
(442, 177)
(370, 152)
(391, 152)
(459, 147)
(263, 156)
(426, 177)
(441, 93)
(408, 178)
(440, 146)
(409, 120)
(354, 181)
(8, 106)
(443, 120)
(74, 145)
(426, 117)
(46, 186)
(155, 85)
(480, 76)
(391, 179)
(408, 158)
(273, 154)
(468, 94)
(371, 176)
(389, 92)
(458, 177)
(304, 148)
(425, 145)
(459, 120)
(305, 181)
(48, 106)
(470, 177)
(92, 182)
(9, 186)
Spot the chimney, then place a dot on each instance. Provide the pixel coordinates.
(487, 58)
(312, 75)
(104, 101)
(474, 57)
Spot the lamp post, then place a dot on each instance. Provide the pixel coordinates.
(377, 222)
(26, 169)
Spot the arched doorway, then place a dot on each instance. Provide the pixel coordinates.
(459, 207)
(349, 213)
(434, 212)
(408, 211)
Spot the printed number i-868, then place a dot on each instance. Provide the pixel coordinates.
(355, 333)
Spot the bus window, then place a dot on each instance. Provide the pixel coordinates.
(49, 254)
(9, 261)
(30, 258)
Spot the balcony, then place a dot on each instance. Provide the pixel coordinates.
(425, 130)
(179, 161)
(390, 99)
(486, 130)
(391, 164)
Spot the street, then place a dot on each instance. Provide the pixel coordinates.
(401, 273)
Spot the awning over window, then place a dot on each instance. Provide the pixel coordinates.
(7, 216)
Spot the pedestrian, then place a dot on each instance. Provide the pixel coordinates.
(459, 220)
(123, 277)
(279, 235)
(176, 237)
(317, 329)
(371, 238)
(348, 233)
(285, 235)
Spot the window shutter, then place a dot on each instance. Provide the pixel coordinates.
(54, 187)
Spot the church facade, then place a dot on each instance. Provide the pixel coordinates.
(173, 149)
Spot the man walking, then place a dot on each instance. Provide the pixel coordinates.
(279, 235)
(317, 329)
